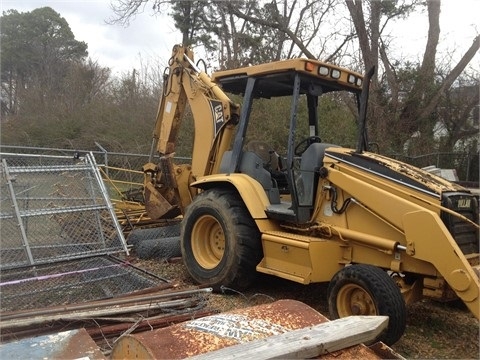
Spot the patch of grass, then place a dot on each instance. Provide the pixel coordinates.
(439, 331)
(434, 330)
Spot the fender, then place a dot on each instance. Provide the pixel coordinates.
(250, 190)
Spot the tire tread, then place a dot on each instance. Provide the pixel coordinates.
(248, 250)
(384, 291)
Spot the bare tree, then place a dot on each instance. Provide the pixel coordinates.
(404, 96)
(187, 15)
(277, 29)
(405, 109)
(298, 27)
(126, 10)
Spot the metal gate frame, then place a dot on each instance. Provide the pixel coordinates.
(54, 208)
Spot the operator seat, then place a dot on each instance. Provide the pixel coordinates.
(311, 162)
(269, 156)
(271, 162)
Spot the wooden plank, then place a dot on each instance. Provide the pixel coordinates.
(307, 342)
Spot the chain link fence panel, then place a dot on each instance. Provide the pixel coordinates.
(54, 208)
(122, 172)
(71, 282)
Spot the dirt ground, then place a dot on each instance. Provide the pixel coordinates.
(434, 330)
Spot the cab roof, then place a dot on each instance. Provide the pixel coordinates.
(277, 78)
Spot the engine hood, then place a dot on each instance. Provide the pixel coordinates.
(395, 171)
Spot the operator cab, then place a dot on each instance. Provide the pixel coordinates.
(304, 82)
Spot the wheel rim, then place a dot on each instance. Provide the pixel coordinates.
(354, 300)
(208, 241)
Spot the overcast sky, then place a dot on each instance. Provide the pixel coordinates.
(121, 48)
(149, 38)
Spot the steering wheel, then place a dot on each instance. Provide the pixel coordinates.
(305, 143)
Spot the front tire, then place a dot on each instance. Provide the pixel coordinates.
(368, 290)
(220, 242)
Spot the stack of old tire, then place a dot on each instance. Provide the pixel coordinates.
(156, 243)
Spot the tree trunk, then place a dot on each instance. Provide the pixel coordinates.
(427, 70)
(451, 77)
(355, 7)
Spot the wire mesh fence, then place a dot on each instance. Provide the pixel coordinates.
(54, 208)
(57, 225)
(121, 171)
(115, 163)
(70, 282)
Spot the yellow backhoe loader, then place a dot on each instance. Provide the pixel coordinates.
(381, 232)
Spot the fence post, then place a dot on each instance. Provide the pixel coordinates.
(23, 232)
(468, 167)
(91, 161)
(105, 157)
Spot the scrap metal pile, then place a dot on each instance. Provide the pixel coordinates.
(65, 259)
(107, 320)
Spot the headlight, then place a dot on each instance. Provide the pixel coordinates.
(336, 74)
(323, 70)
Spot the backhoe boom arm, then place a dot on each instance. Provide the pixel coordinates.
(214, 118)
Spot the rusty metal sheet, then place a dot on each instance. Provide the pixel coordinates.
(226, 329)
(217, 331)
(72, 344)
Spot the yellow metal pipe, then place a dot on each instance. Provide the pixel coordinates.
(367, 239)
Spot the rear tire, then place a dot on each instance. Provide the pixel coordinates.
(368, 290)
(220, 242)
